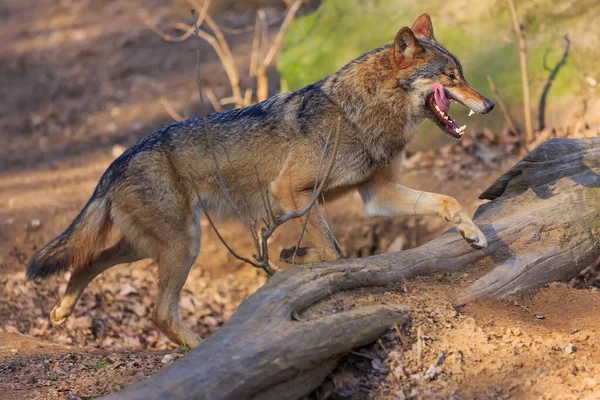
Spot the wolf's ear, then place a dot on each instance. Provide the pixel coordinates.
(406, 45)
(423, 27)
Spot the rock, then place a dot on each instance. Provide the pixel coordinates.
(35, 224)
(167, 358)
(379, 366)
(569, 348)
(432, 372)
(128, 289)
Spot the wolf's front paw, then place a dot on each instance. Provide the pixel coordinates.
(468, 230)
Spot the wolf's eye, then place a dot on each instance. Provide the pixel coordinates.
(451, 76)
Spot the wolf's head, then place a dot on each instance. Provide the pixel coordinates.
(433, 77)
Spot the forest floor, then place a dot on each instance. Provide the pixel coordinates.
(82, 80)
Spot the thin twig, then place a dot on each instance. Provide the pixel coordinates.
(300, 213)
(219, 178)
(291, 13)
(170, 110)
(303, 230)
(210, 95)
(400, 336)
(231, 100)
(233, 252)
(255, 45)
(553, 73)
(420, 346)
(265, 200)
(248, 29)
(188, 30)
(507, 117)
(522, 46)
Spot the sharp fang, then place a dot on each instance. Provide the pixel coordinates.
(445, 117)
(461, 129)
(471, 112)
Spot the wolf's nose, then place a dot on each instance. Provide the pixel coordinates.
(489, 105)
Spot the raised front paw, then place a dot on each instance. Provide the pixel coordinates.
(468, 230)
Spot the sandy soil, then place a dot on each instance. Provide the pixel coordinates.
(81, 80)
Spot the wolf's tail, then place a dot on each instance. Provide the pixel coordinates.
(76, 247)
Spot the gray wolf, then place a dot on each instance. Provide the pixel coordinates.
(154, 194)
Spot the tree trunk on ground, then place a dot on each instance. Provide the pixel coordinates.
(542, 225)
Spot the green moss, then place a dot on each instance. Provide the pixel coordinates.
(101, 364)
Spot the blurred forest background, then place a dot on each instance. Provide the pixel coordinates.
(82, 80)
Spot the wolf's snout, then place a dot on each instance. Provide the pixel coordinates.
(489, 105)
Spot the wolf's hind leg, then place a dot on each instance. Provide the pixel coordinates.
(120, 253)
(174, 263)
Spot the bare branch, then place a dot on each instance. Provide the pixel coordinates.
(212, 224)
(524, 75)
(210, 95)
(170, 110)
(302, 231)
(291, 13)
(231, 65)
(265, 200)
(321, 162)
(553, 73)
(233, 253)
(187, 29)
(219, 177)
(248, 97)
(260, 72)
(248, 29)
(231, 100)
(316, 194)
(255, 44)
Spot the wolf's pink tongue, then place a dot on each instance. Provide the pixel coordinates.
(440, 97)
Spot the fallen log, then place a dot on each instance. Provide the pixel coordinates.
(542, 225)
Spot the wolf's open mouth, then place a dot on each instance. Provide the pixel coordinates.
(439, 104)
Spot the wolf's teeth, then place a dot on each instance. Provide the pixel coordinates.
(471, 112)
(445, 117)
(437, 108)
(461, 129)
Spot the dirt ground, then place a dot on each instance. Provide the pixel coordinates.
(80, 81)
